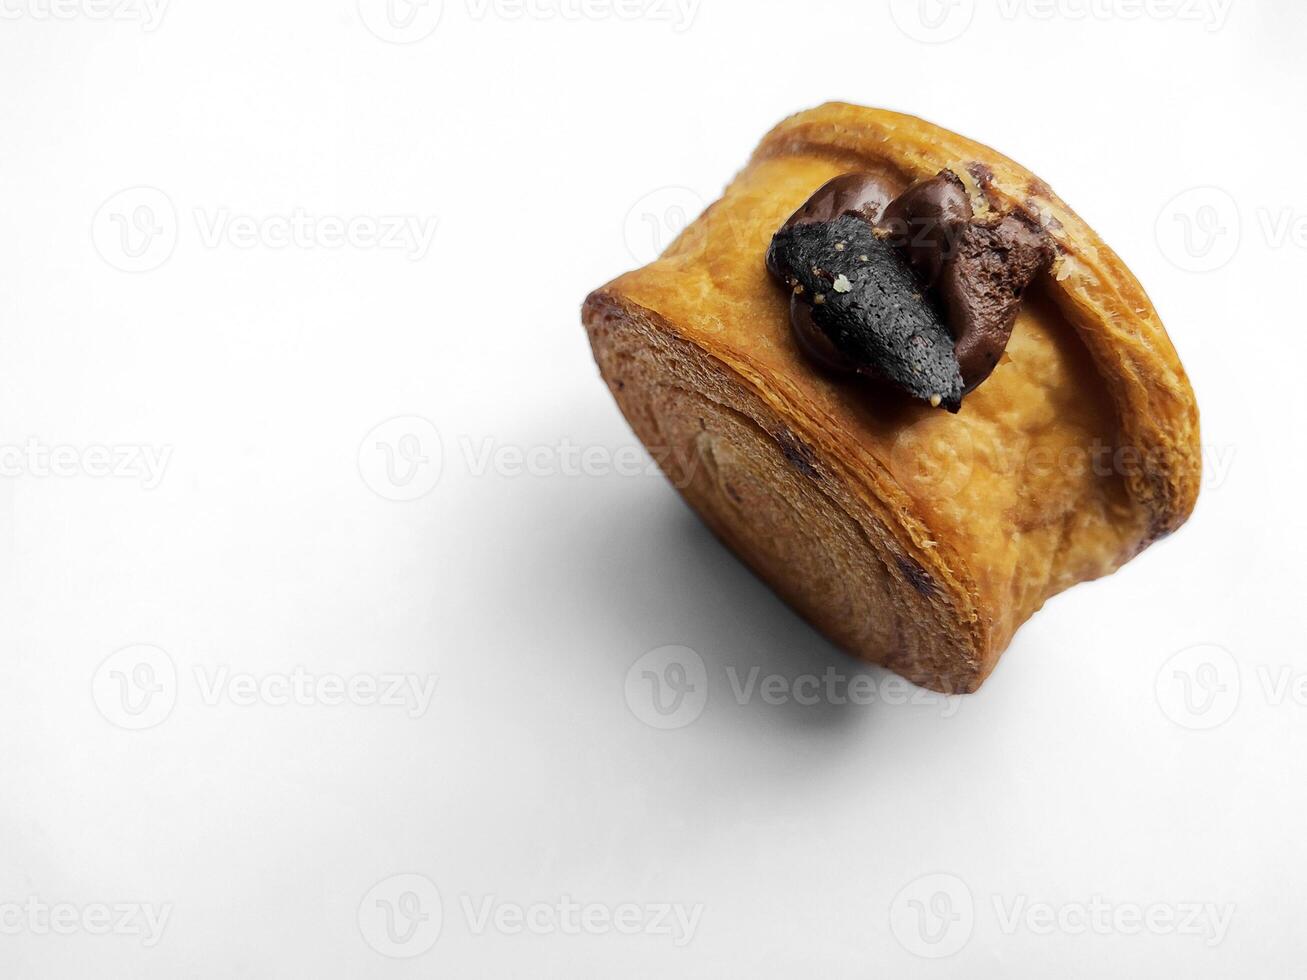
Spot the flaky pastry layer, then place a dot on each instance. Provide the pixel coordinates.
(912, 538)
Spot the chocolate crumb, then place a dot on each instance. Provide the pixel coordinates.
(983, 174)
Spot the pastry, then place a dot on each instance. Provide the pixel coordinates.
(907, 385)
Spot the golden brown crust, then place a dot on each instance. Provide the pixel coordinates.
(913, 538)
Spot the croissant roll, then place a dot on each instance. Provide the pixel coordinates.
(916, 436)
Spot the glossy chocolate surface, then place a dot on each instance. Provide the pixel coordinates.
(911, 289)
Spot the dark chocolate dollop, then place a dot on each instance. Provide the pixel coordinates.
(910, 289)
(926, 221)
(982, 285)
(865, 195)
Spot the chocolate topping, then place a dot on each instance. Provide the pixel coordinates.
(925, 222)
(864, 195)
(981, 287)
(856, 306)
(911, 289)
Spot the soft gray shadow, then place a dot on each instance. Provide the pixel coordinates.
(639, 570)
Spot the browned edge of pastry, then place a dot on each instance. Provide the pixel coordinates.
(1089, 287)
(641, 352)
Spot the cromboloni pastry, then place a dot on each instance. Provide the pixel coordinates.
(907, 385)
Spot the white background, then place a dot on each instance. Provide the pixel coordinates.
(554, 152)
